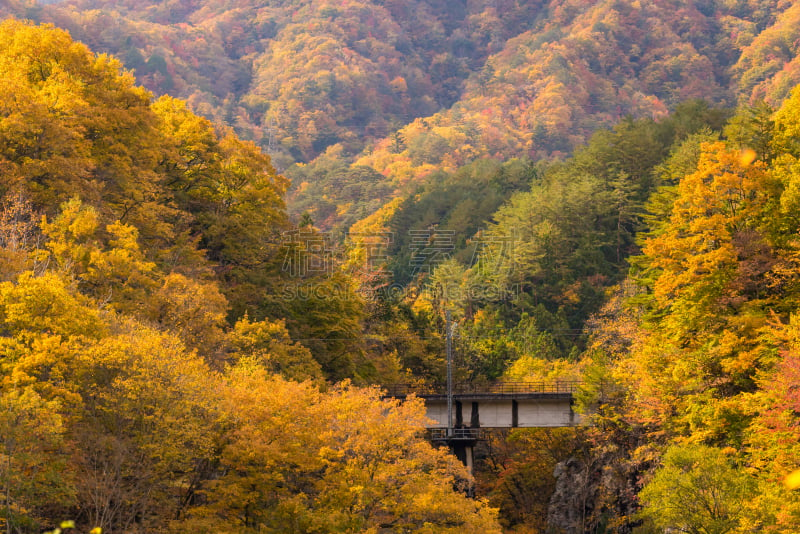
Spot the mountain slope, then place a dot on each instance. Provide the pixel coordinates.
(313, 73)
(585, 66)
(420, 86)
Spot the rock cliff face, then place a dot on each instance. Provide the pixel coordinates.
(573, 499)
(589, 492)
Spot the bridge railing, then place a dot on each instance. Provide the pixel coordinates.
(496, 388)
(457, 434)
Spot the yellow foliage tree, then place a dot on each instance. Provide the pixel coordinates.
(300, 460)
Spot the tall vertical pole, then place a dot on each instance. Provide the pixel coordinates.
(449, 345)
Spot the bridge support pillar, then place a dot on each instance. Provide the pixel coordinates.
(464, 451)
(460, 441)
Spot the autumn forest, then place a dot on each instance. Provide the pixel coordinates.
(227, 226)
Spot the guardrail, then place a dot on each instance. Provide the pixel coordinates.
(457, 434)
(498, 388)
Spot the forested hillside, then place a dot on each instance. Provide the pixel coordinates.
(142, 388)
(409, 87)
(605, 192)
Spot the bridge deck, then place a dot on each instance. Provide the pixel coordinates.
(495, 405)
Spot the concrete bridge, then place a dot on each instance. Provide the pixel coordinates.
(496, 405)
(493, 405)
